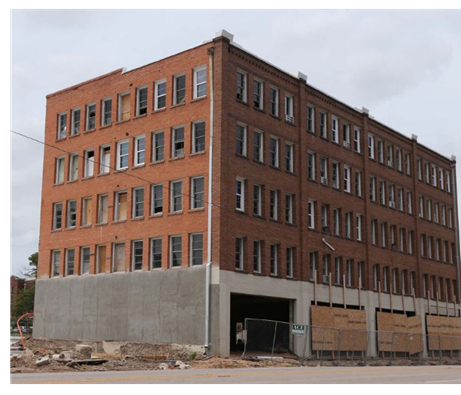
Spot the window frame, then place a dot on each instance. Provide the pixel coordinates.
(120, 157)
(197, 84)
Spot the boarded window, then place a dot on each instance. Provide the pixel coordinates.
(120, 208)
(102, 209)
(101, 257)
(119, 257)
(125, 107)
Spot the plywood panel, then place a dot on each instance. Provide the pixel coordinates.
(399, 333)
(444, 333)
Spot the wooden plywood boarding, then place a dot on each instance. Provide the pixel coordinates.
(352, 323)
(444, 333)
(399, 333)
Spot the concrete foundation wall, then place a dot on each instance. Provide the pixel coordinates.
(155, 307)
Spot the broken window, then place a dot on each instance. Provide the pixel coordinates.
(119, 257)
(178, 141)
(175, 251)
(89, 163)
(106, 112)
(105, 160)
(158, 142)
(137, 254)
(124, 106)
(120, 205)
(87, 210)
(141, 101)
(57, 216)
(198, 186)
(70, 262)
(101, 259)
(196, 247)
(156, 253)
(102, 209)
(75, 125)
(59, 178)
(71, 213)
(73, 167)
(55, 262)
(179, 89)
(85, 260)
(157, 199)
(62, 125)
(90, 116)
(138, 202)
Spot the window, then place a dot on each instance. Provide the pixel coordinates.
(385, 277)
(87, 211)
(402, 240)
(373, 189)
(400, 198)
(156, 253)
(448, 178)
(430, 243)
(240, 194)
(90, 116)
(70, 261)
(391, 196)
(176, 196)
(258, 151)
(382, 192)
(199, 82)
(312, 266)
(398, 154)
(425, 285)
(198, 137)
(73, 167)
(118, 257)
(357, 140)
(258, 94)
(420, 169)
(334, 130)
(429, 210)
(289, 117)
(358, 183)
(139, 150)
(374, 231)
(88, 170)
(427, 172)
(289, 152)
(274, 152)
(421, 207)
(371, 146)
(375, 277)
(324, 171)
(257, 256)
(101, 259)
(311, 214)
(179, 87)
(177, 149)
(409, 203)
(274, 259)
(75, 122)
(124, 106)
(289, 200)
(348, 220)
(71, 213)
(310, 119)
(158, 146)
(349, 263)
(138, 202)
(325, 269)
(102, 208)
(62, 125)
(390, 156)
(359, 227)
(122, 154)
(104, 166)
(239, 253)
(198, 192)
(394, 281)
(436, 213)
(57, 216)
(323, 125)
(336, 221)
(136, 257)
(106, 112)
(55, 262)
(444, 216)
(274, 197)
(157, 199)
(434, 175)
(241, 140)
(450, 218)
(412, 283)
(175, 251)
(274, 101)
(360, 272)
(337, 270)
(160, 95)
(290, 258)
(346, 136)
(410, 242)
(383, 235)
(241, 86)
(85, 260)
(196, 249)
(257, 200)
(311, 166)
(381, 151)
(347, 179)
(441, 180)
(407, 164)
(59, 170)
(423, 247)
(335, 174)
(324, 213)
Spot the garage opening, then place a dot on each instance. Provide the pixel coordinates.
(262, 307)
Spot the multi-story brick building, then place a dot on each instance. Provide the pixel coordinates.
(302, 184)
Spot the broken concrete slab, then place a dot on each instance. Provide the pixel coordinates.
(84, 349)
(42, 361)
(163, 366)
(112, 347)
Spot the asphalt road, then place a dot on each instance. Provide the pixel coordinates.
(301, 375)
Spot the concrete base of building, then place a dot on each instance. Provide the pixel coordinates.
(169, 306)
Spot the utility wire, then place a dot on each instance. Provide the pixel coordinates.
(113, 168)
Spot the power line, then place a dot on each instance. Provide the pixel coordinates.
(115, 169)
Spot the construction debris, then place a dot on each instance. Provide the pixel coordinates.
(84, 349)
(42, 361)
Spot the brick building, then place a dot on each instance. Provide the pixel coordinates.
(302, 185)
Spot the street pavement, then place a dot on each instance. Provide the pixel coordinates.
(300, 375)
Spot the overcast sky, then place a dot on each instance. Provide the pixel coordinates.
(402, 65)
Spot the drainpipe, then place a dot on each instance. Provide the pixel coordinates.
(456, 227)
(210, 193)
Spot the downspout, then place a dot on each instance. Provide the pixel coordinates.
(456, 228)
(210, 206)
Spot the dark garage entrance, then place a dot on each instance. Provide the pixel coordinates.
(251, 306)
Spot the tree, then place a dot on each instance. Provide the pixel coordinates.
(24, 302)
(31, 270)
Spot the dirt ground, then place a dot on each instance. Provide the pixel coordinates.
(144, 356)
